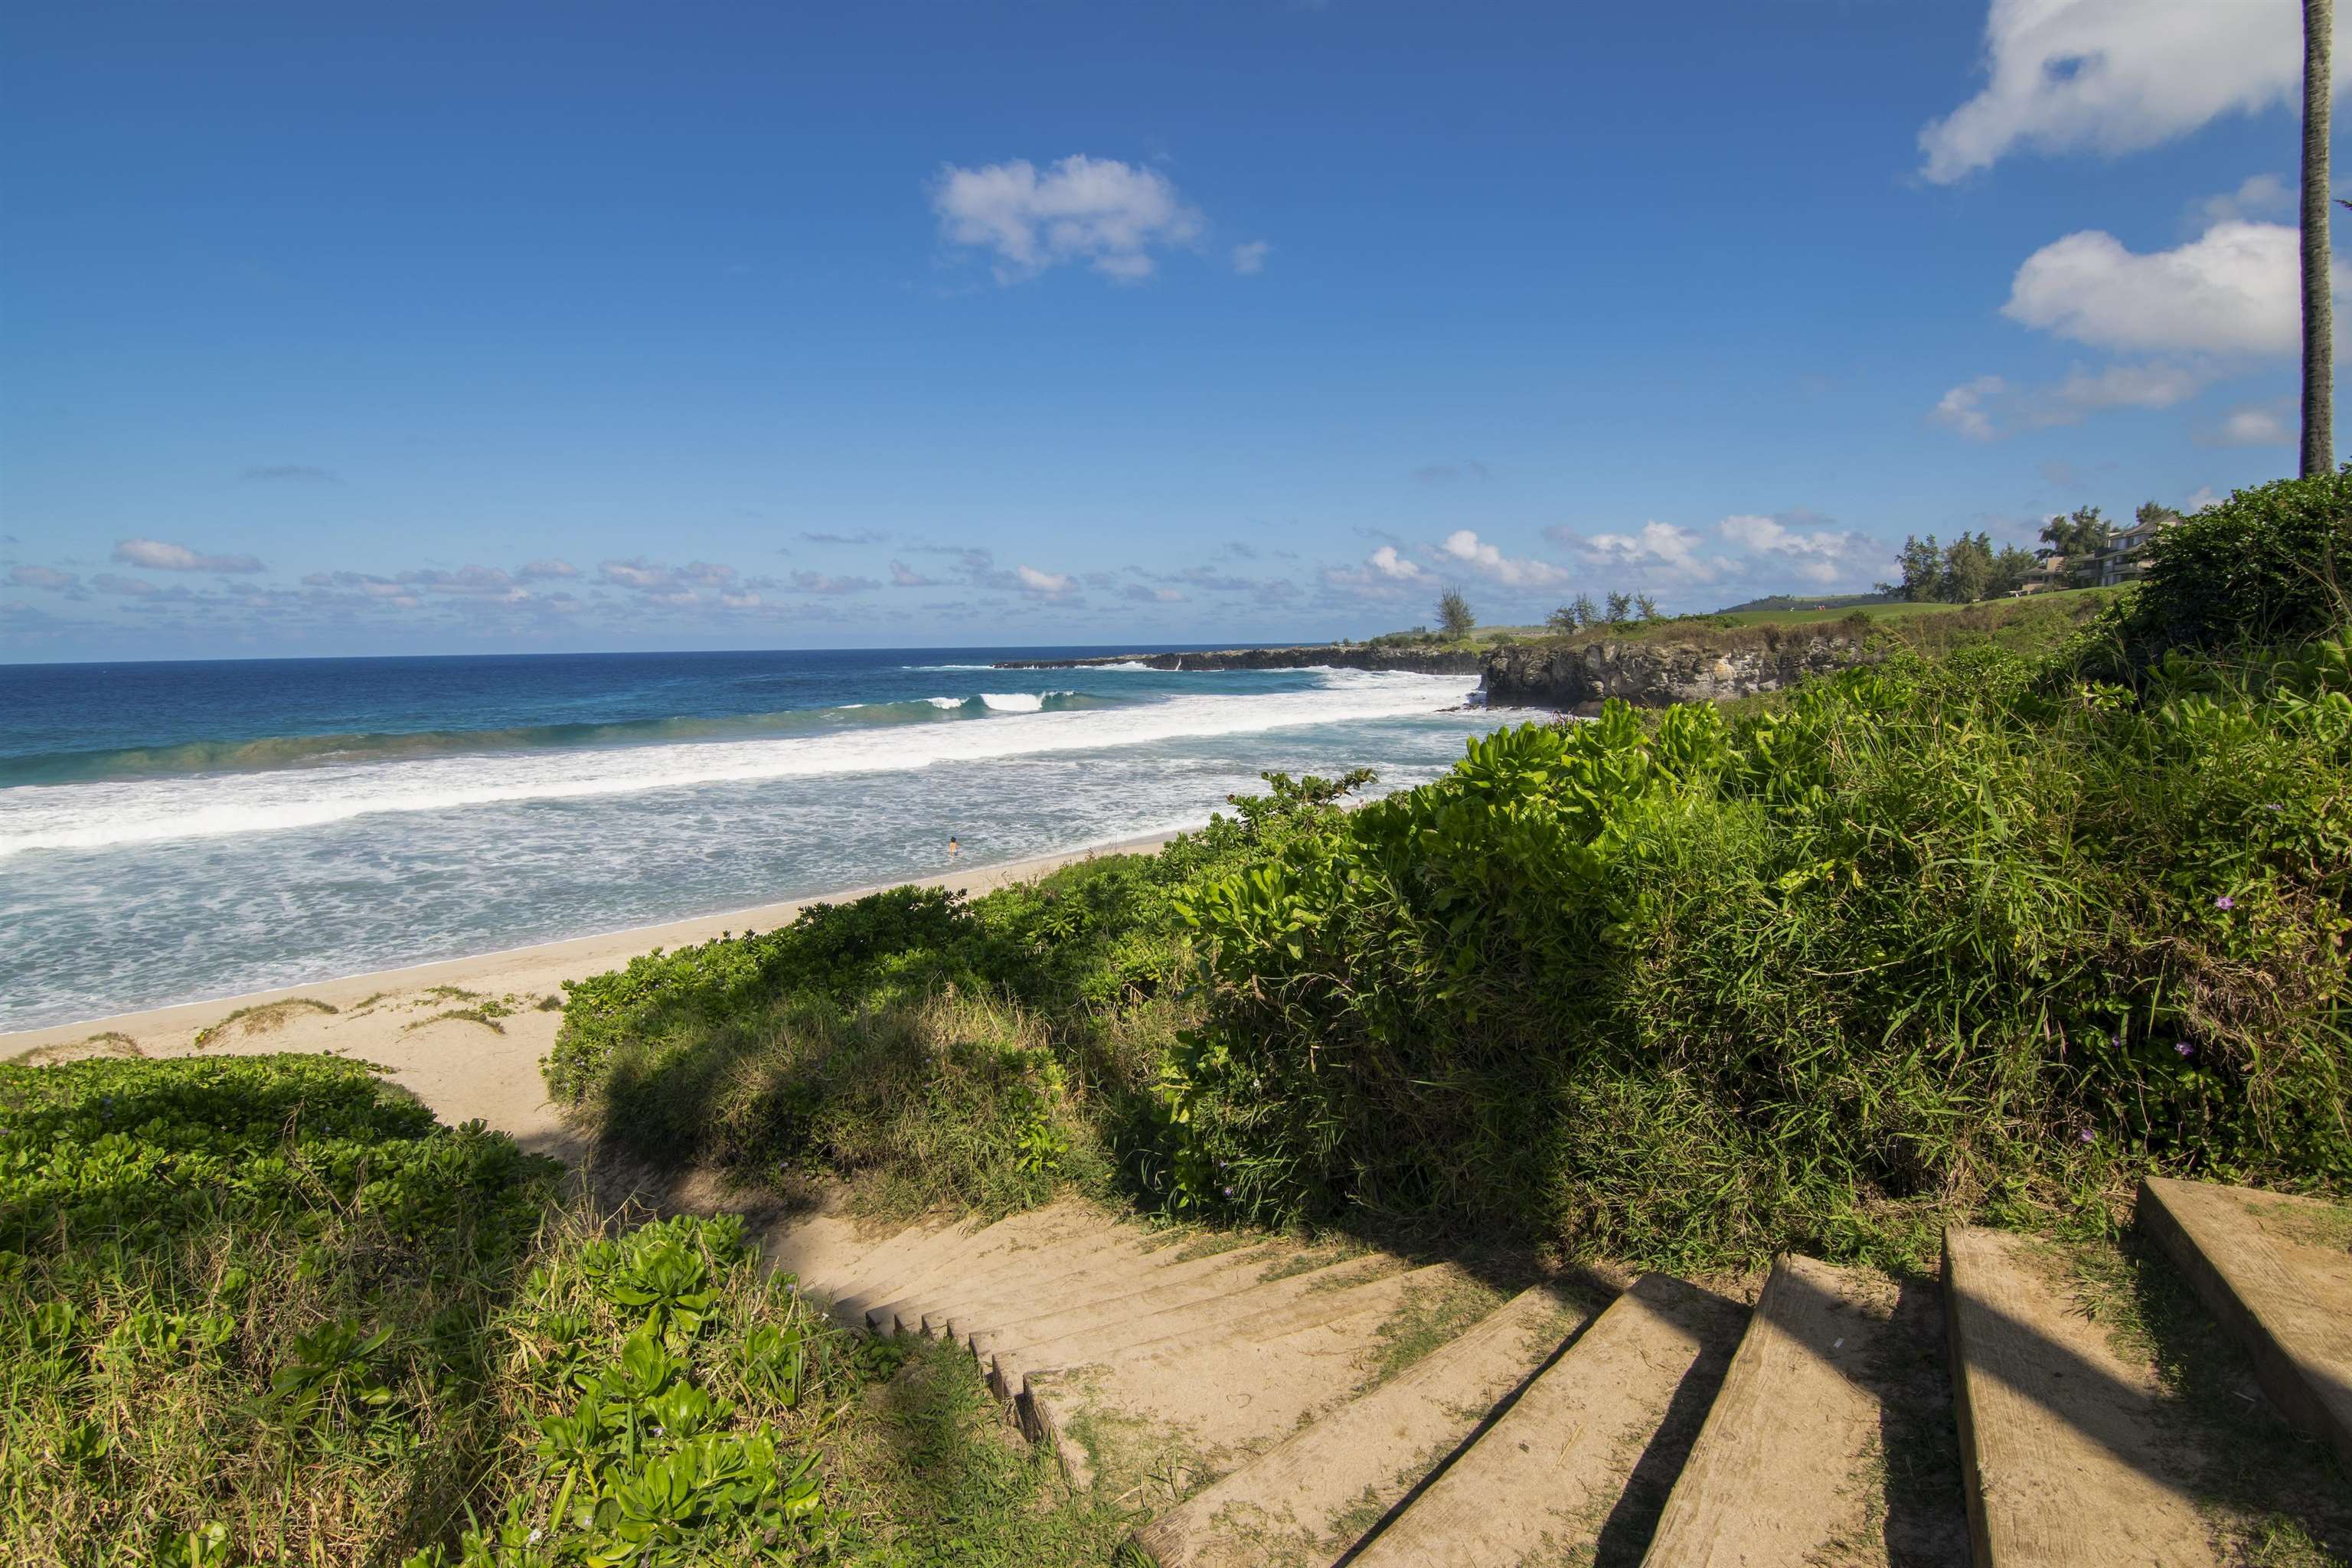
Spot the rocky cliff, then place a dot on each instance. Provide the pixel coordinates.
(1423, 660)
(1652, 672)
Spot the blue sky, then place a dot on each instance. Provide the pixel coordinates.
(487, 327)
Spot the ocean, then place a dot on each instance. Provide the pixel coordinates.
(170, 832)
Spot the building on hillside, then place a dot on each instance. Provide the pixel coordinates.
(2125, 558)
(2049, 571)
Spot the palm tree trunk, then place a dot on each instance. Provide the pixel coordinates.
(2318, 305)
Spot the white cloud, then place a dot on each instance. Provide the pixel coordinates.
(1965, 407)
(820, 583)
(1249, 259)
(2114, 75)
(477, 581)
(2257, 197)
(132, 587)
(2153, 385)
(41, 577)
(905, 576)
(1989, 408)
(157, 555)
(1512, 572)
(1821, 555)
(1658, 550)
(2200, 498)
(1143, 593)
(1100, 211)
(2235, 288)
(1048, 585)
(545, 571)
(1383, 574)
(638, 574)
(2253, 424)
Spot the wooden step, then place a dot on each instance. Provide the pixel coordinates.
(1207, 1401)
(2277, 1270)
(839, 1281)
(1295, 1502)
(822, 1251)
(2064, 1456)
(1075, 1278)
(1582, 1461)
(1784, 1466)
(882, 1276)
(1109, 1330)
(1024, 1247)
(1222, 1276)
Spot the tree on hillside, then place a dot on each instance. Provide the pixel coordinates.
(1645, 607)
(1967, 568)
(1453, 615)
(1923, 570)
(1584, 610)
(1621, 608)
(1563, 620)
(2318, 302)
(2155, 513)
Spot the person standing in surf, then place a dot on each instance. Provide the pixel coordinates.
(953, 847)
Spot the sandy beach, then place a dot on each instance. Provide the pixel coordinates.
(411, 1020)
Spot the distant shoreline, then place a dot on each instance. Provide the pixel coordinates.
(1409, 659)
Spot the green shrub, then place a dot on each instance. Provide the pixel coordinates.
(1919, 944)
(930, 1044)
(2271, 564)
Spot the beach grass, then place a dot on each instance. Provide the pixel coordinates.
(265, 1310)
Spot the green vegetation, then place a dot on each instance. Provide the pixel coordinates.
(1964, 934)
(1924, 942)
(943, 1051)
(264, 1310)
(2267, 565)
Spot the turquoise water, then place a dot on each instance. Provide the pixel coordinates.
(177, 831)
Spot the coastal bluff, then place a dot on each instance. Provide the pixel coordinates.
(1568, 674)
(1577, 677)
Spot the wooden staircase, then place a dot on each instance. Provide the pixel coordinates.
(1239, 1391)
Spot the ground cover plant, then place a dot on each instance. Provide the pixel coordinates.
(1981, 931)
(266, 1309)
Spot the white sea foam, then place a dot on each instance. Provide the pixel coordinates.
(85, 816)
(1016, 701)
(945, 701)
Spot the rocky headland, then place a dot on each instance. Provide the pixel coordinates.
(1655, 673)
(1570, 675)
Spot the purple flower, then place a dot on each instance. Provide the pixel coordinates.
(2185, 1049)
(2225, 902)
(2087, 1136)
(1229, 1192)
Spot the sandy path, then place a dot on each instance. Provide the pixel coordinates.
(463, 1067)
